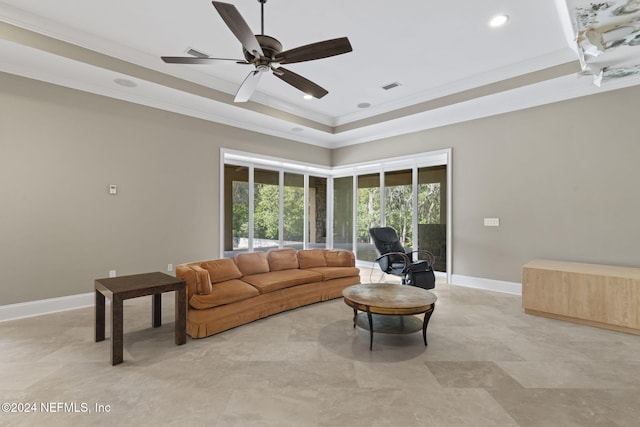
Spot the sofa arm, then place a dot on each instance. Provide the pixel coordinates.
(184, 272)
(197, 278)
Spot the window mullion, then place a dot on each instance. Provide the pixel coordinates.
(354, 214)
(330, 211)
(281, 208)
(383, 217)
(414, 196)
(252, 199)
(305, 216)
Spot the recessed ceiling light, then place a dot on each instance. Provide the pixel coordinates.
(125, 83)
(307, 96)
(499, 20)
(364, 105)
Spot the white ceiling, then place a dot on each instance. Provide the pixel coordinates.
(450, 64)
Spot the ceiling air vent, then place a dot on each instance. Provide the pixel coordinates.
(390, 86)
(196, 53)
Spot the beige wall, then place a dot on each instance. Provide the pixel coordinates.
(563, 179)
(59, 151)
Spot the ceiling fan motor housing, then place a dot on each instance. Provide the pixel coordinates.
(270, 47)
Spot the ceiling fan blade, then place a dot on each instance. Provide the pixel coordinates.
(313, 51)
(194, 60)
(248, 86)
(238, 27)
(299, 82)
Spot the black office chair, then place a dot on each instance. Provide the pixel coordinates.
(393, 259)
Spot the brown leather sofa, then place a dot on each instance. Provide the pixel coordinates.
(225, 293)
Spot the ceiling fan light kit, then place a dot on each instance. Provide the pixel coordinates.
(265, 54)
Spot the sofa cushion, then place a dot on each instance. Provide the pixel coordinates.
(339, 258)
(311, 258)
(221, 270)
(252, 263)
(329, 273)
(203, 280)
(269, 282)
(224, 293)
(282, 259)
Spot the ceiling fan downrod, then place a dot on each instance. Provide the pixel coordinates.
(262, 2)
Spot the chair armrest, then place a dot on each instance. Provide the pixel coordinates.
(404, 257)
(431, 259)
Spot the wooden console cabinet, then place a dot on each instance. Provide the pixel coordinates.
(597, 295)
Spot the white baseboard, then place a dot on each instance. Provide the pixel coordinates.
(45, 306)
(487, 284)
(52, 305)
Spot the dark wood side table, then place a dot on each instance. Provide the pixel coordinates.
(118, 289)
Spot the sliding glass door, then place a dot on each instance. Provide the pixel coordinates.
(418, 193)
(293, 210)
(236, 213)
(266, 212)
(265, 209)
(270, 205)
(432, 213)
(369, 214)
(317, 212)
(343, 213)
(398, 204)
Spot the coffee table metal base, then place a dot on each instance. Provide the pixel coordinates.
(391, 324)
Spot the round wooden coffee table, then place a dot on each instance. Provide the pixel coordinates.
(396, 305)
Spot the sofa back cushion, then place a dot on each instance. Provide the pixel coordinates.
(339, 258)
(308, 258)
(252, 263)
(282, 259)
(221, 270)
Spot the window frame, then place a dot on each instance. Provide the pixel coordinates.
(282, 166)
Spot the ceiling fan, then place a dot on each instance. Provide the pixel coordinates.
(265, 53)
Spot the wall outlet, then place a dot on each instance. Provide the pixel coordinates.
(112, 273)
(169, 267)
(492, 222)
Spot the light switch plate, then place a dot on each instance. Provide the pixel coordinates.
(113, 189)
(492, 222)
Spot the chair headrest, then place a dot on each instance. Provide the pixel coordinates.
(386, 240)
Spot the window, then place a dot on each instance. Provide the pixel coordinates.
(236, 236)
(270, 203)
(317, 212)
(343, 213)
(398, 205)
(293, 210)
(266, 213)
(432, 218)
(369, 214)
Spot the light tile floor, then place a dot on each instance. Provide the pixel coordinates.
(487, 364)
